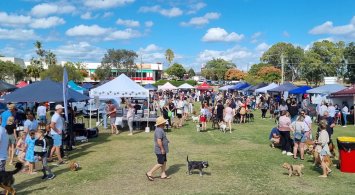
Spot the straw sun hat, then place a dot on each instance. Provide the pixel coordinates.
(160, 120)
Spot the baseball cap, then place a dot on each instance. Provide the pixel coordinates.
(58, 106)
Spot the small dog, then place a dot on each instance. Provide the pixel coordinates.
(7, 179)
(191, 165)
(198, 127)
(195, 119)
(176, 122)
(74, 166)
(215, 122)
(222, 126)
(293, 169)
(317, 161)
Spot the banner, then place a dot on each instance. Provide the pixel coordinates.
(65, 93)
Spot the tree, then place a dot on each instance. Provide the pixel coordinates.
(176, 70)
(217, 68)
(191, 73)
(39, 50)
(103, 72)
(324, 58)
(120, 59)
(270, 74)
(349, 55)
(169, 56)
(293, 57)
(11, 71)
(234, 74)
(50, 58)
(55, 72)
(34, 69)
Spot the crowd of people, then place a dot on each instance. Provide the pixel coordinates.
(37, 141)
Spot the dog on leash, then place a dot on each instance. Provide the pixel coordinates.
(191, 165)
(74, 166)
(175, 123)
(222, 126)
(293, 169)
(198, 127)
(7, 179)
(215, 122)
(195, 119)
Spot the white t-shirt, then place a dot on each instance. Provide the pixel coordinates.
(331, 111)
(41, 111)
(323, 108)
(308, 122)
(58, 120)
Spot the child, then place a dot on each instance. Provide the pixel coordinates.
(30, 157)
(274, 137)
(322, 147)
(40, 152)
(21, 147)
(11, 132)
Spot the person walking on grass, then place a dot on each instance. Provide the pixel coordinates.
(161, 148)
(57, 126)
(112, 113)
(284, 128)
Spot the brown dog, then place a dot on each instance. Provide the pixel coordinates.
(7, 179)
(176, 122)
(74, 166)
(317, 161)
(293, 169)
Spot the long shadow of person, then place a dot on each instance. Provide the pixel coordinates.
(174, 168)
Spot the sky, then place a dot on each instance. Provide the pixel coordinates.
(196, 30)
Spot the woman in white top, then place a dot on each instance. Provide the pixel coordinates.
(298, 127)
(345, 112)
(228, 114)
(130, 117)
(322, 147)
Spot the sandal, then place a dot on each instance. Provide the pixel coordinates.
(150, 178)
(167, 177)
(295, 158)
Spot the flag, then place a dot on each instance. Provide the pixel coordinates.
(65, 93)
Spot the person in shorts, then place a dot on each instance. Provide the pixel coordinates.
(112, 113)
(42, 113)
(161, 148)
(57, 125)
(11, 132)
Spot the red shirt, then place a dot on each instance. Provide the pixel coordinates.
(111, 108)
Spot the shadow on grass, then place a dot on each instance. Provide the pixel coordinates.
(31, 191)
(198, 173)
(174, 168)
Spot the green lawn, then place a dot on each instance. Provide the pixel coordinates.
(240, 163)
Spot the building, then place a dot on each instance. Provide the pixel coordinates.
(14, 60)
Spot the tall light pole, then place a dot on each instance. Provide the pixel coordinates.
(282, 68)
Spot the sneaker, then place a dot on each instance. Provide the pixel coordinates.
(289, 154)
(284, 152)
(52, 176)
(44, 176)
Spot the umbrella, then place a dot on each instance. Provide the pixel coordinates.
(6, 86)
(43, 91)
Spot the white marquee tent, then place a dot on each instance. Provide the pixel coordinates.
(167, 86)
(266, 88)
(186, 86)
(122, 86)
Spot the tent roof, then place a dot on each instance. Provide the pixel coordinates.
(300, 90)
(240, 86)
(225, 88)
(72, 85)
(150, 87)
(284, 87)
(327, 89)
(167, 86)
(350, 91)
(260, 85)
(121, 86)
(186, 86)
(204, 86)
(87, 85)
(21, 84)
(268, 87)
(4, 86)
(247, 88)
(43, 91)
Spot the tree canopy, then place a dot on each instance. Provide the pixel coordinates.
(55, 72)
(191, 72)
(234, 74)
(176, 70)
(12, 71)
(349, 54)
(169, 56)
(216, 68)
(120, 59)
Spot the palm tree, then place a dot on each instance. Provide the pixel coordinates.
(169, 56)
(50, 58)
(34, 69)
(40, 52)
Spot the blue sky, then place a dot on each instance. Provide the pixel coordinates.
(196, 30)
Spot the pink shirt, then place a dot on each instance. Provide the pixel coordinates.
(284, 123)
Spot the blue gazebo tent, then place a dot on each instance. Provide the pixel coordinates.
(260, 85)
(284, 87)
(239, 86)
(151, 87)
(225, 88)
(43, 91)
(327, 89)
(300, 90)
(87, 86)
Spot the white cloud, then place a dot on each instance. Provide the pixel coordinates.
(107, 14)
(47, 22)
(173, 12)
(46, 9)
(83, 30)
(13, 20)
(256, 35)
(123, 34)
(221, 35)
(17, 34)
(149, 24)
(150, 48)
(194, 8)
(262, 47)
(88, 16)
(82, 51)
(128, 23)
(104, 4)
(200, 21)
(347, 30)
(286, 34)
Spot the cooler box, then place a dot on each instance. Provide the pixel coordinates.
(346, 146)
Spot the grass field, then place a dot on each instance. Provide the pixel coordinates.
(240, 163)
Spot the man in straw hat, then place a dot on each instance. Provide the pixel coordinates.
(161, 148)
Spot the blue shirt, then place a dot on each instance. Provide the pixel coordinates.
(4, 116)
(31, 125)
(274, 131)
(4, 143)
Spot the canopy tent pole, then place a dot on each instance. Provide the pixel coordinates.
(147, 129)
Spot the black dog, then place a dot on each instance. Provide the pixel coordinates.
(215, 123)
(7, 179)
(191, 165)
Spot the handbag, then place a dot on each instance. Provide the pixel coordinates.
(298, 136)
(170, 114)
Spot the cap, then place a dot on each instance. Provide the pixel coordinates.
(58, 106)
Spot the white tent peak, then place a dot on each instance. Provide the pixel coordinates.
(167, 86)
(121, 86)
(186, 86)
